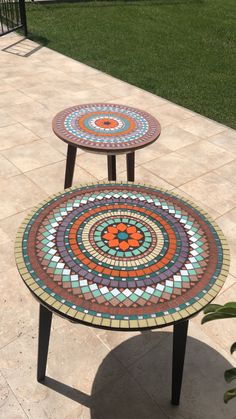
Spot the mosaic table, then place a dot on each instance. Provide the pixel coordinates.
(122, 257)
(105, 128)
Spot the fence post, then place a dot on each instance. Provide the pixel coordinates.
(23, 16)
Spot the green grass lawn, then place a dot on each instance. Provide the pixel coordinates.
(182, 50)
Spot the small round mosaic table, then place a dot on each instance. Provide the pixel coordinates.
(122, 257)
(105, 128)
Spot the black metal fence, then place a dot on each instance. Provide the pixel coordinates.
(12, 16)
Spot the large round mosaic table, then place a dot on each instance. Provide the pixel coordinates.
(105, 128)
(122, 257)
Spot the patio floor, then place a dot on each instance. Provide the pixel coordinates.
(100, 374)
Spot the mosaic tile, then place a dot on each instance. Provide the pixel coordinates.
(120, 255)
(106, 127)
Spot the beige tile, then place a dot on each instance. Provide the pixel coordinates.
(225, 139)
(203, 127)
(57, 143)
(175, 169)
(206, 154)
(55, 174)
(230, 280)
(36, 154)
(7, 169)
(7, 259)
(203, 382)
(100, 80)
(220, 194)
(171, 113)
(18, 193)
(13, 97)
(124, 344)
(228, 224)
(5, 87)
(96, 164)
(220, 331)
(9, 225)
(174, 137)
(228, 171)
(143, 175)
(6, 119)
(10, 408)
(18, 310)
(40, 126)
(28, 111)
(151, 152)
(14, 135)
(202, 204)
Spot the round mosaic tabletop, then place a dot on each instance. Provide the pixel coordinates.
(121, 256)
(105, 127)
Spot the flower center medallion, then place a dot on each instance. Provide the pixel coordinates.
(123, 236)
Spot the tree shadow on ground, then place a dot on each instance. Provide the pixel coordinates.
(143, 391)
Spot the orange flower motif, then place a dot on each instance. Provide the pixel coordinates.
(122, 236)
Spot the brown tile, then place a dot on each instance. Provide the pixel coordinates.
(206, 154)
(14, 135)
(203, 127)
(36, 154)
(175, 169)
(55, 174)
(7, 169)
(18, 193)
(220, 194)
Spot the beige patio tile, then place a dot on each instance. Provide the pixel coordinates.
(35, 155)
(142, 100)
(5, 87)
(100, 80)
(55, 174)
(171, 113)
(206, 154)
(228, 171)
(19, 194)
(7, 259)
(203, 382)
(230, 280)
(6, 119)
(225, 139)
(18, 310)
(7, 169)
(26, 111)
(143, 175)
(221, 331)
(175, 169)
(151, 152)
(14, 135)
(41, 125)
(175, 138)
(10, 407)
(203, 127)
(57, 143)
(13, 97)
(96, 164)
(9, 225)
(219, 193)
(228, 224)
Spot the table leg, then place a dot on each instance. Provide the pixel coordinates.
(179, 345)
(111, 164)
(130, 158)
(45, 320)
(70, 165)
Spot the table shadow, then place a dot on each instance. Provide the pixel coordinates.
(202, 390)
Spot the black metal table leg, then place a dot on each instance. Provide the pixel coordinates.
(45, 320)
(111, 164)
(179, 345)
(70, 165)
(130, 166)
